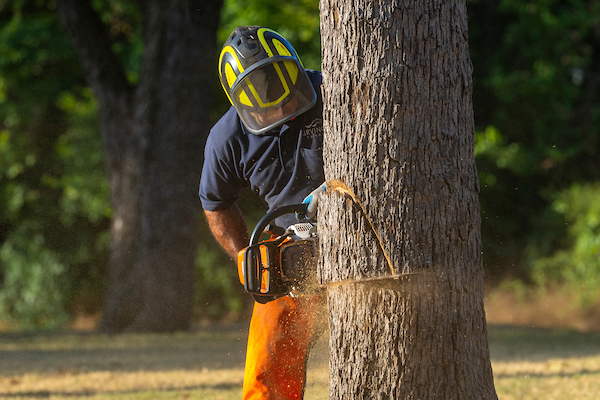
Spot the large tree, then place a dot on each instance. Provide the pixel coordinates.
(403, 199)
(153, 132)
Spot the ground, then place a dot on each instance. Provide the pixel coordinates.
(531, 358)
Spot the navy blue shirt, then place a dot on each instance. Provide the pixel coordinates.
(283, 165)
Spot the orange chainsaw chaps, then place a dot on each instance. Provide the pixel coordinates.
(280, 335)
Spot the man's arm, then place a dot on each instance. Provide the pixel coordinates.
(229, 228)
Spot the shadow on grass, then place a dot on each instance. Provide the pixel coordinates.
(75, 352)
(520, 374)
(514, 343)
(45, 394)
(215, 349)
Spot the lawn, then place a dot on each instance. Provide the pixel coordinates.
(528, 364)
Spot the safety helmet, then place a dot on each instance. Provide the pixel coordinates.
(264, 78)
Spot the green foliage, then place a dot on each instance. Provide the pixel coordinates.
(536, 83)
(84, 208)
(578, 263)
(53, 195)
(84, 186)
(35, 284)
(540, 76)
(491, 144)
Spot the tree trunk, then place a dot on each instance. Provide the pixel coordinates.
(153, 134)
(399, 131)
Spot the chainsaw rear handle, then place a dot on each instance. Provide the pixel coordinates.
(254, 269)
(299, 209)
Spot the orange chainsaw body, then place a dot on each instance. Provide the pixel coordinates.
(275, 267)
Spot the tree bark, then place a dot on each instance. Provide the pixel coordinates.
(153, 133)
(399, 131)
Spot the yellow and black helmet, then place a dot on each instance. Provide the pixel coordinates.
(264, 78)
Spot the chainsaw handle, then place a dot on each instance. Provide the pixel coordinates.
(270, 216)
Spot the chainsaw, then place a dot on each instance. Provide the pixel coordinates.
(284, 263)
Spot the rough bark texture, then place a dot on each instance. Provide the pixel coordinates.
(399, 131)
(153, 135)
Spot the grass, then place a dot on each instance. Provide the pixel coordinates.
(528, 363)
(539, 363)
(204, 364)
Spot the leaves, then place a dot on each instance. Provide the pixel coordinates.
(578, 263)
(53, 195)
(34, 282)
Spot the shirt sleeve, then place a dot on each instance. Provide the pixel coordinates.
(221, 181)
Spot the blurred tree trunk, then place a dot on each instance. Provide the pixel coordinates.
(399, 131)
(153, 134)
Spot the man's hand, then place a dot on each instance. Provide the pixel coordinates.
(229, 228)
(313, 200)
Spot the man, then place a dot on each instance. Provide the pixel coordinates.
(270, 140)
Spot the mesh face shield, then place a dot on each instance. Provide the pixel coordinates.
(272, 92)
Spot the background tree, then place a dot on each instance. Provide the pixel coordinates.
(153, 131)
(399, 130)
